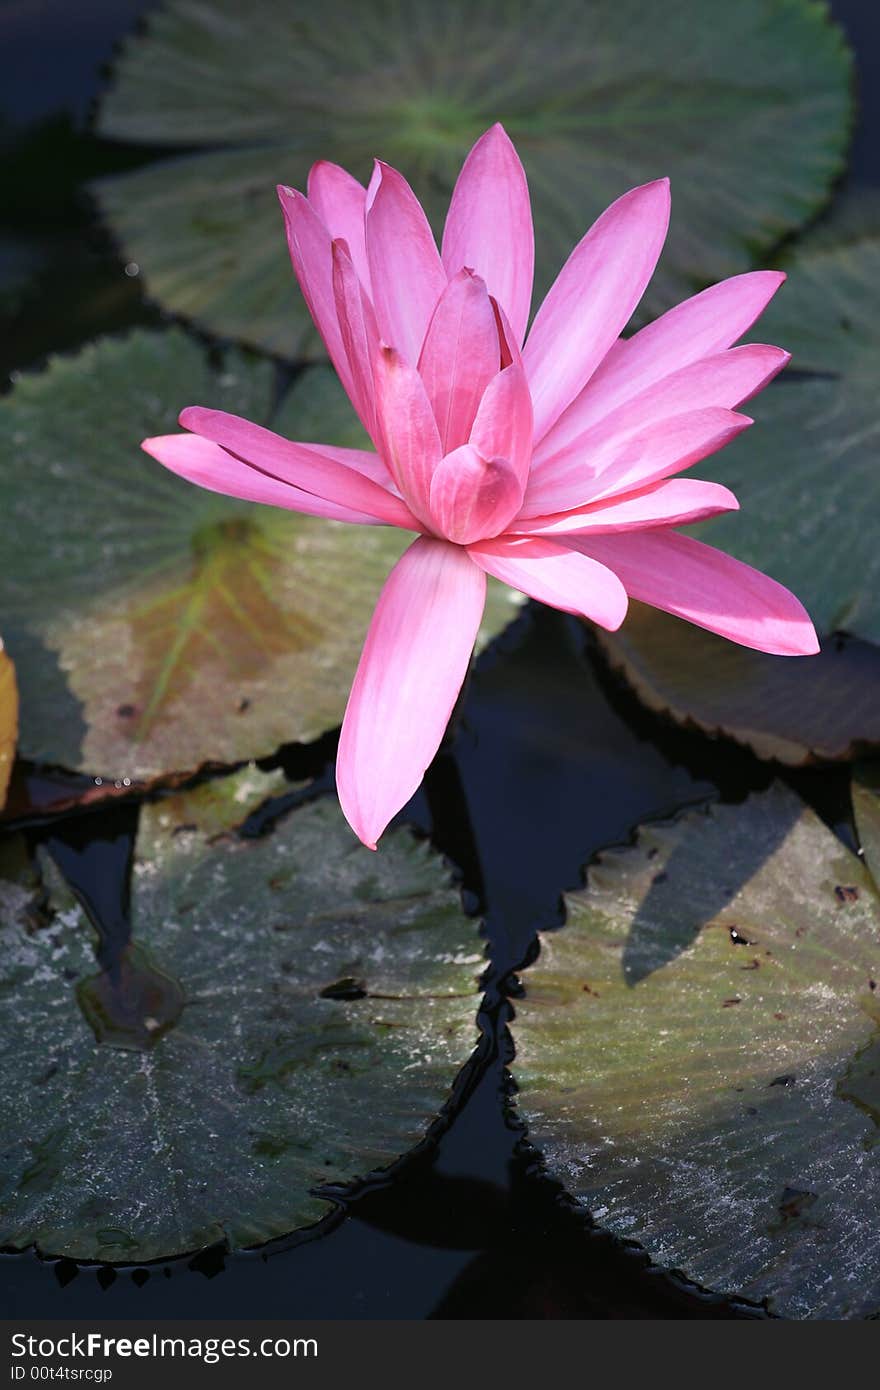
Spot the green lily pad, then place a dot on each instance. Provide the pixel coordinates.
(747, 109)
(866, 809)
(292, 1012)
(696, 1054)
(157, 627)
(8, 720)
(807, 475)
(825, 708)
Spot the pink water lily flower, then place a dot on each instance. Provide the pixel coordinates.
(546, 461)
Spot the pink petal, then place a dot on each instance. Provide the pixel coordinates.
(489, 225)
(414, 661)
(510, 353)
(405, 267)
(701, 326)
(554, 574)
(708, 588)
(593, 298)
(679, 502)
(473, 497)
(503, 426)
(209, 466)
(310, 245)
(727, 379)
(615, 460)
(360, 336)
(305, 466)
(406, 421)
(460, 355)
(340, 202)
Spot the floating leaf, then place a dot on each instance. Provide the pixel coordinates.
(156, 626)
(866, 807)
(827, 707)
(8, 720)
(224, 1072)
(807, 475)
(696, 1054)
(746, 109)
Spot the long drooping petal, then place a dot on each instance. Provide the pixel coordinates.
(593, 298)
(489, 225)
(701, 326)
(707, 587)
(472, 496)
(677, 502)
(302, 465)
(555, 575)
(614, 460)
(727, 380)
(411, 439)
(413, 664)
(209, 466)
(340, 202)
(405, 268)
(460, 355)
(503, 425)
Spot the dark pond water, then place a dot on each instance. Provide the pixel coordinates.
(552, 761)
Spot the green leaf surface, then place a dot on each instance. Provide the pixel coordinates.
(156, 626)
(292, 1012)
(745, 107)
(697, 1054)
(793, 710)
(808, 474)
(866, 809)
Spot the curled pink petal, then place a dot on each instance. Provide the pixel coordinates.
(460, 355)
(701, 326)
(360, 337)
(406, 272)
(678, 502)
(340, 202)
(708, 588)
(471, 496)
(593, 298)
(614, 460)
(489, 225)
(555, 575)
(303, 465)
(413, 664)
(503, 424)
(309, 243)
(209, 466)
(406, 420)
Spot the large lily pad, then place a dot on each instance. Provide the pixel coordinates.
(746, 108)
(292, 1012)
(8, 720)
(697, 1054)
(156, 626)
(826, 708)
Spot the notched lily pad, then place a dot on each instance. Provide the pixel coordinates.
(8, 720)
(747, 111)
(203, 1093)
(696, 1054)
(793, 710)
(156, 626)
